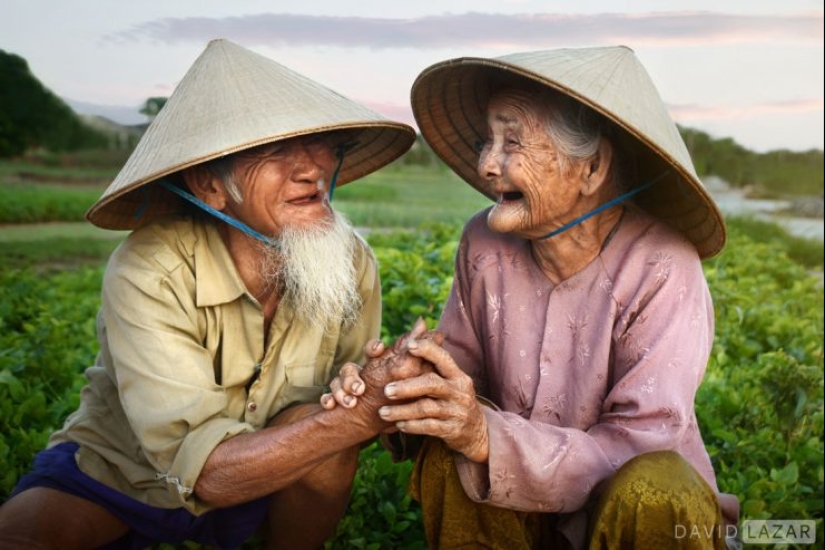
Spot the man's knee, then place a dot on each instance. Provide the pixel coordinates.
(41, 517)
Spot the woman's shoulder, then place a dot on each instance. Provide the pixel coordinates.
(642, 234)
(646, 251)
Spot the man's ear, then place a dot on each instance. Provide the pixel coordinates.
(595, 170)
(205, 186)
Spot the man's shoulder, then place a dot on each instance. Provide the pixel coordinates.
(165, 243)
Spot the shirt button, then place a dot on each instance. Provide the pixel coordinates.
(251, 407)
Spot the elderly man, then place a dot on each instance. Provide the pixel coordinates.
(237, 296)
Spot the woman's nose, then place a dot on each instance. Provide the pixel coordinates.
(488, 163)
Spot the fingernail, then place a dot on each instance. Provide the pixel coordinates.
(383, 411)
(412, 344)
(347, 400)
(356, 386)
(390, 390)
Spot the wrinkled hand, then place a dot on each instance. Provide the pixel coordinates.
(440, 403)
(348, 385)
(383, 366)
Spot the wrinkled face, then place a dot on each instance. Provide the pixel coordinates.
(521, 165)
(284, 184)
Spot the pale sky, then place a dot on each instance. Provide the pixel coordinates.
(751, 70)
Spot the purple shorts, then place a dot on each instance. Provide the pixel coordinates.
(221, 528)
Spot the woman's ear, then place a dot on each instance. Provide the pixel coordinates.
(205, 186)
(596, 169)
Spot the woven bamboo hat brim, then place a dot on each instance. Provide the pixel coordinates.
(449, 101)
(233, 99)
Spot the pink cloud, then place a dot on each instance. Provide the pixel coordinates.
(691, 113)
(528, 31)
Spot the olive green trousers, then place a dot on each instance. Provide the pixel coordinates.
(656, 501)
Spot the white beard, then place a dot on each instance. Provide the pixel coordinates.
(313, 267)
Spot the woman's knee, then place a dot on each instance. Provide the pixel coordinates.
(654, 497)
(662, 468)
(658, 478)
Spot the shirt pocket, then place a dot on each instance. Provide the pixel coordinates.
(312, 374)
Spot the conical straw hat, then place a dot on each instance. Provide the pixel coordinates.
(449, 101)
(232, 99)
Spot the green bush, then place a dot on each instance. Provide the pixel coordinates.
(47, 339)
(381, 515)
(761, 405)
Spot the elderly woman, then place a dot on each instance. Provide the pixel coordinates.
(561, 406)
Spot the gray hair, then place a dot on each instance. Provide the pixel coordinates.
(576, 130)
(223, 168)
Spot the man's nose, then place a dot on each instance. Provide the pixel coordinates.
(309, 167)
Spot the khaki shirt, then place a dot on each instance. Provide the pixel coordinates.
(183, 363)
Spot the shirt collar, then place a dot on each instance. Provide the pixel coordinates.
(217, 281)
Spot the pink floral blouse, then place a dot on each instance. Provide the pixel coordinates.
(588, 373)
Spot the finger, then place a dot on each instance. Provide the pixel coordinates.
(350, 380)
(328, 401)
(341, 396)
(353, 384)
(408, 366)
(426, 385)
(419, 328)
(417, 410)
(374, 348)
(437, 355)
(424, 426)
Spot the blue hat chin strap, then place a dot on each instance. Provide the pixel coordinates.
(340, 154)
(232, 221)
(217, 213)
(605, 206)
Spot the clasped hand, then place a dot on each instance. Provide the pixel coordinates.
(425, 391)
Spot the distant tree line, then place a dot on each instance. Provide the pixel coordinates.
(32, 117)
(780, 172)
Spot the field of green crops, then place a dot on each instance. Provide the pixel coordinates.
(760, 408)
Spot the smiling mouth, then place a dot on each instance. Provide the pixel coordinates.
(309, 199)
(510, 196)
